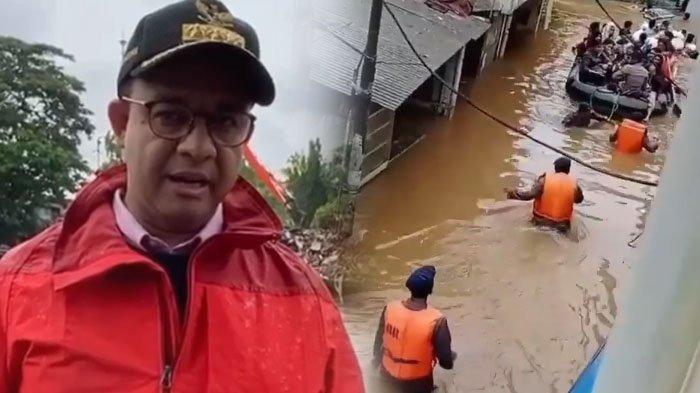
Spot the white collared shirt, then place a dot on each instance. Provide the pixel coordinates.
(138, 237)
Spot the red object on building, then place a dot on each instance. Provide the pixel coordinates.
(459, 7)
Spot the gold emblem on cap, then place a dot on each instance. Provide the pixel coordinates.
(214, 13)
(201, 32)
(218, 25)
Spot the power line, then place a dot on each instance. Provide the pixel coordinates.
(504, 123)
(608, 15)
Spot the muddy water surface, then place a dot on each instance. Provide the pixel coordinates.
(527, 307)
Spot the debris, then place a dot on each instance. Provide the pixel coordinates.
(322, 249)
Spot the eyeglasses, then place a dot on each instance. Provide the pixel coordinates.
(173, 121)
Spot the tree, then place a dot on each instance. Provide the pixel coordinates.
(113, 151)
(312, 181)
(42, 120)
(305, 182)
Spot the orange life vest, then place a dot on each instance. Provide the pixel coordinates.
(557, 200)
(630, 136)
(408, 341)
(669, 66)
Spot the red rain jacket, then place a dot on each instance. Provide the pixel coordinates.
(81, 311)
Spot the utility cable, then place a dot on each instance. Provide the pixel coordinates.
(504, 123)
(608, 14)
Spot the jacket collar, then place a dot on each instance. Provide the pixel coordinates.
(91, 242)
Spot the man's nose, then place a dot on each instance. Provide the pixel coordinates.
(198, 143)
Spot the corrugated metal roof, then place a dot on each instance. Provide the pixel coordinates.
(504, 6)
(399, 73)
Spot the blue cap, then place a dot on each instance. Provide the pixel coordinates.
(421, 280)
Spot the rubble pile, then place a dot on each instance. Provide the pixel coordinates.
(323, 250)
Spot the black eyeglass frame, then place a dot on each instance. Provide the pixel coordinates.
(193, 116)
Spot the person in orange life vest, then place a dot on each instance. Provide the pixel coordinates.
(167, 273)
(632, 140)
(555, 194)
(410, 337)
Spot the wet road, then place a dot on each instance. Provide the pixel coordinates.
(527, 307)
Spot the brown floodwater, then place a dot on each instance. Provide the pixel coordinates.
(527, 307)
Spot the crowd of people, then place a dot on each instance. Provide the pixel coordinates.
(634, 63)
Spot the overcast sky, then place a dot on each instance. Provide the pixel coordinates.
(90, 30)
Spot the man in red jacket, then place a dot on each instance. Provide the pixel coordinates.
(167, 274)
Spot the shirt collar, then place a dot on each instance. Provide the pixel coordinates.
(138, 237)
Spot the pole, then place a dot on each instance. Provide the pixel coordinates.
(99, 153)
(361, 100)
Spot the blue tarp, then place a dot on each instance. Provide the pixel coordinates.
(585, 381)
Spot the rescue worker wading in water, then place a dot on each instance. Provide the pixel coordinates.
(555, 194)
(631, 137)
(410, 337)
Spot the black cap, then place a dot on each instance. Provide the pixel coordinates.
(195, 25)
(562, 164)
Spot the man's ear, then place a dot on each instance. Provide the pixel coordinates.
(118, 112)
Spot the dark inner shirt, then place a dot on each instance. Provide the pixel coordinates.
(176, 266)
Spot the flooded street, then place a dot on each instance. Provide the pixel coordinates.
(526, 307)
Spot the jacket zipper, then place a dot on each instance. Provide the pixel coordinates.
(170, 370)
(170, 325)
(166, 380)
(172, 362)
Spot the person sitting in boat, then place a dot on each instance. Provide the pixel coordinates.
(626, 29)
(631, 140)
(689, 48)
(582, 117)
(595, 65)
(619, 53)
(633, 78)
(555, 194)
(649, 28)
(666, 37)
(609, 34)
(644, 29)
(647, 44)
(593, 38)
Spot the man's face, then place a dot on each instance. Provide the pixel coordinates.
(176, 185)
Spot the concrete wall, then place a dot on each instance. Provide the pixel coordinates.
(489, 52)
(380, 128)
(452, 75)
(694, 8)
(534, 8)
(526, 16)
